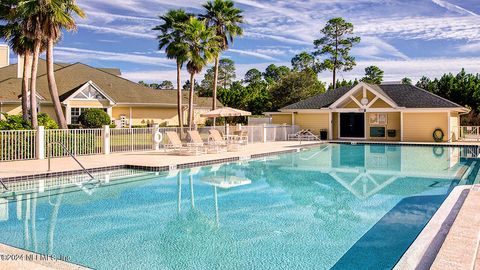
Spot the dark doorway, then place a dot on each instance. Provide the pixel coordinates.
(352, 125)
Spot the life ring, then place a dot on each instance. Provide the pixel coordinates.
(157, 137)
(438, 135)
(438, 151)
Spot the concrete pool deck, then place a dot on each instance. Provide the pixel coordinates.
(459, 250)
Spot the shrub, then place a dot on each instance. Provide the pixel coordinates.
(94, 118)
(46, 121)
(13, 122)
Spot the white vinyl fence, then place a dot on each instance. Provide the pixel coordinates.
(17, 144)
(81, 142)
(470, 133)
(41, 143)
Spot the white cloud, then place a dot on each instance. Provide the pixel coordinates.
(454, 8)
(117, 31)
(68, 54)
(470, 47)
(413, 68)
(252, 53)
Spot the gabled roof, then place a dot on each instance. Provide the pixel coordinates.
(71, 77)
(403, 95)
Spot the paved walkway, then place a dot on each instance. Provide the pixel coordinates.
(148, 158)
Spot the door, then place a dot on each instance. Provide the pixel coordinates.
(352, 125)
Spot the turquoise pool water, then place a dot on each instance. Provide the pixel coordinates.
(335, 206)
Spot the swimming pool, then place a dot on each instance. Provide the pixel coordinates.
(334, 206)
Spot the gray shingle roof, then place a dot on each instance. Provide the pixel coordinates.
(320, 101)
(404, 95)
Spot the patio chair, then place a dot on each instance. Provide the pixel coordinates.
(175, 144)
(216, 138)
(241, 136)
(212, 148)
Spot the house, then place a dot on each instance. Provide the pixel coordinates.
(81, 86)
(385, 112)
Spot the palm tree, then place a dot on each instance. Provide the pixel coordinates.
(203, 46)
(44, 22)
(171, 40)
(23, 46)
(28, 13)
(225, 18)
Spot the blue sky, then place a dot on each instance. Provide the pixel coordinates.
(405, 38)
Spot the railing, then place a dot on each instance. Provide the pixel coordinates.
(80, 142)
(35, 144)
(130, 139)
(65, 149)
(17, 145)
(469, 133)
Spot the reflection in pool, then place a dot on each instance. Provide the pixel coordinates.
(335, 206)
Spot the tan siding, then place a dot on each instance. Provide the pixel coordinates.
(314, 122)
(380, 104)
(145, 116)
(12, 109)
(393, 122)
(89, 103)
(279, 119)
(351, 105)
(419, 127)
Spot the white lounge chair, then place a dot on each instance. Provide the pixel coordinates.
(174, 143)
(196, 139)
(216, 138)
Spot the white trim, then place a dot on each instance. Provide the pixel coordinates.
(346, 95)
(401, 126)
(130, 119)
(356, 101)
(398, 109)
(330, 127)
(372, 102)
(68, 114)
(449, 127)
(352, 91)
(96, 87)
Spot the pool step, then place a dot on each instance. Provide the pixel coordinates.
(472, 176)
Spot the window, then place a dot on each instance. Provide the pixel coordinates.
(76, 112)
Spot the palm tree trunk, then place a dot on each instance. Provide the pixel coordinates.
(52, 86)
(33, 83)
(215, 84)
(26, 64)
(179, 100)
(190, 101)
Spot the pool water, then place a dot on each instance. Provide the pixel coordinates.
(335, 206)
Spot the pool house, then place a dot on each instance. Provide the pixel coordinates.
(385, 112)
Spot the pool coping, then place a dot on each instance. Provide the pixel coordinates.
(423, 251)
(164, 168)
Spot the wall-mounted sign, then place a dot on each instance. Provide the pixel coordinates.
(378, 119)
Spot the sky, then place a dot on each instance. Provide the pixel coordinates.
(408, 38)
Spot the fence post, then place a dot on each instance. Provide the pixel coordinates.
(40, 143)
(155, 146)
(285, 135)
(106, 139)
(264, 139)
(227, 129)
